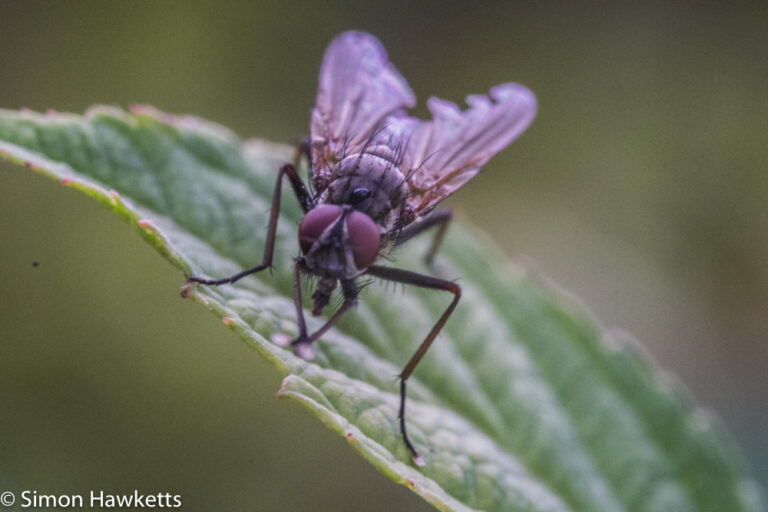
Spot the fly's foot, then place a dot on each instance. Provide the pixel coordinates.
(302, 347)
(188, 285)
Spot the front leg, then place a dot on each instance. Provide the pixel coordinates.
(422, 281)
(301, 344)
(303, 149)
(305, 200)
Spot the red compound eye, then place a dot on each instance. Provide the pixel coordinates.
(315, 222)
(364, 239)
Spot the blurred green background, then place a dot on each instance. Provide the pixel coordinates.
(642, 187)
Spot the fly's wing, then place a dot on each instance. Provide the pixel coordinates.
(443, 154)
(358, 88)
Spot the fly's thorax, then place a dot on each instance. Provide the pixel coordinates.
(338, 242)
(370, 183)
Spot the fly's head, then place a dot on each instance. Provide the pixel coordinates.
(338, 242)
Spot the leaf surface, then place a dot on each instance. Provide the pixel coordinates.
(524, 403)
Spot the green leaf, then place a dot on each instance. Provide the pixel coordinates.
(524, 403)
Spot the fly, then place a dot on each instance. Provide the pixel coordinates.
(377, 175)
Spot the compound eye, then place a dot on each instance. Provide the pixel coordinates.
(314, 223)
(364, 239)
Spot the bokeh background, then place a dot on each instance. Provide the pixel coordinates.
(642, 187)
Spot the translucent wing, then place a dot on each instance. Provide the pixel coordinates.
(443, 154)
(358, 89)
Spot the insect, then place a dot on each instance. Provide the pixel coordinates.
(376, 176)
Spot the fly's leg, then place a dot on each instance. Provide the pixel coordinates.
(304, 149)
(422, 281)
(440, 220)
(305, 200)
(302, 342)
